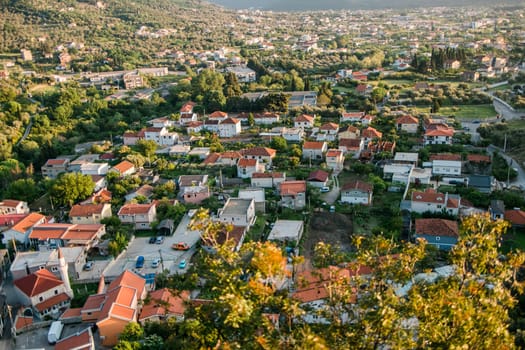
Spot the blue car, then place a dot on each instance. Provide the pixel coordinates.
(182, 264)
(140, 262)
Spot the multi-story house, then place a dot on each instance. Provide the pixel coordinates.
(304, 121)
(54, 167)
(293, 134)
(327, 132)
(22, 229)
(124, 168)
(438, 134)
(370, 134)
(141, 216)
(314, 150)
(11, 206)
(349, 132)
(266, 118)
(351, 117)
(335, 159)
(440, 233)
(407, 123)
(263, 154)
(435, 202)
(238, 212)
(267, 180)
(293, 194)
(89, 213)
(187, 114)
(229, 127)
(247, 167)
(161, 136)
(357, 192)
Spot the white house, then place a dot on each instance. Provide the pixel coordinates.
(238, 212)
(357, 192)
(161, 136)
(335, 159)
(11, 206)
(266, 118)
(247, 167)
(446, 167)
(162, 122)
(229, 127)
(304, 121)
(267, 180)
(263, 154)
(438, 134)
(140, 215)
(287, 231)
(327, 132)
(314, 150)
(293, 194)
(187, 115)
(21, 230)
(407, 123)
(292, 134)
(351, 117)
(432, 201)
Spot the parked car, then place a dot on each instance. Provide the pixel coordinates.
(180, 246)
(152, 240)
(159, 239)
(140, 262)
(88, 266)
(325, 189)
(182, 264)
(155, 263)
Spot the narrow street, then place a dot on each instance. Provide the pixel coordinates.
(520, 179)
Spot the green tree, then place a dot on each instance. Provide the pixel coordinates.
(231, 85)
(147, 148)
(70, 188)
(279, 143)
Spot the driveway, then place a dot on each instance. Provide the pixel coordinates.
(170, 258)
(333, 195)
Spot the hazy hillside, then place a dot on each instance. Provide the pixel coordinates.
(297, 5)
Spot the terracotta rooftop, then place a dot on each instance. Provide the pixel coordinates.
(260, 151)
(134, 208)
(304, 118)
(407, 119)
(329, 126)
(428, 196)
(212, 158)
(49, 231)
(86, 209)
(439, 130)
(267, 175)
(371, 133)
(54, 300)
(350, 143)
(218, 114)
(56, 162)
(235, 234)
(165, 302)
(334, 153)
(318, 175)
(23, 321)
(77, 341)
(437, 227)
(187, 107)
(37, 282)
(124, 166)
(446, 156)
(292, 188)
(515, 217)
(314, 145)
(29, 221)
(71, 312)
(231, 154)
(247, 162)
(358, 185)
(478, 158)
(231, 121)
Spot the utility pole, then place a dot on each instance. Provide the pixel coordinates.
(161, 260)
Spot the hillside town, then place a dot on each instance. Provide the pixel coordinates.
(219, 192)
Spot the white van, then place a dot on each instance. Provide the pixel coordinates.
(55, 331)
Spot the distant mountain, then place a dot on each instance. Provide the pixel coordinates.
(303, 5)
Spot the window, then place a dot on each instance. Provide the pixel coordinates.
(41, 298)
(54, 269)
(56, 291)
(438, 238)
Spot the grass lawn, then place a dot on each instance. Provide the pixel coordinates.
(473, 112)
(516, 124)
(515, 240)
(42, 89)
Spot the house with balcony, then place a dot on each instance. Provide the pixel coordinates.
(304, 121)
(357, 192)
(293, 194)
(327, 132)
(247, 167)
(352, 146)
(263, 154)
(335, 159)
(12, 206)
(141, 216)
(161, 136)
(53, 235)
(435, 202)
(438, 134)
(54, 167)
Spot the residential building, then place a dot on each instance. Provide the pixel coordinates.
(130, 138)
(435, 202)
(26, 55)
(164, 304)
(257, 194)
(287, 231)
(89, 213)
(352, 146)
(351, 117)
(140, 215)
(446, 167)
(54, 167)
(357, 192)
(482, 183)
(53, 235)
(243, 73)
(145, 191)
(516, 217)
(497, 209)
(266, 118)
(263, 154)
(132, 80)
(411, 158)
(124, 168)
(22, 229)
(335, 159)
(440, 233)
(398, 172)
(369, 134)
(229, 158)
(114, 308)
(318, 178)
(187, 115)
(82, 340)
(293, 134)
(304, 121)
(236, 236)
(408, 124)
(247, 167)
(161, 136)
(218, 115)
(349, 132)
(438, 134)
(238, 212)
(293, 194)
(314, 150)
(12, 206)
(267, 180)
(229, 127)
(327, 132)
(162, 122)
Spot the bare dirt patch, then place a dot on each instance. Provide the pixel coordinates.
(332, 228)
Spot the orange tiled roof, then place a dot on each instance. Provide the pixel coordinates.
(134, 208)
(23, 321)
(478, 158)
(304, 118)
(218, 114)
(407, 119)
(212, 158)
(82, 232)
(231, 154)
(231, 121)
(350, 143)
(187, 107)
(260, 151)
(247, 163)
(515, 216)
(56, 162)
(164, 302)
(124, 166)
(318, 175)
(428, 196)
(267, 175)
(334, 153)
(77, 341)
(314, 145)
(49, 231)
(446, 156)
(292, 188)
(54, 300)
(29, 221)
(437, 227)
(371, 133)
(86, 209)
(37, 282)
(71, 313)
(358, 185)
(329, 126)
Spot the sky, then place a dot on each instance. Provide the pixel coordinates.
(298, 5)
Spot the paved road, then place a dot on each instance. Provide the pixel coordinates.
(333, 195)
(520, 179)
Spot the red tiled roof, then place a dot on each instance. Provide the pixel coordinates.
(439, 130)
(187, 107)
(334, 153)
(429, 196)
(329, 126)
(49, 231)
(212, 158)
(56, 162)
(231, 154)
(23, 321)
(446, 156)
(37, 282)
(11, 219)
(515, 216)
(71, 312)
(318, 175)
(164, 302)
(29, 221)
(407, 119)
(355, 115)
(231, 121)
(86, 209)
(267, 175)
(358, 185)
(54, 300)
(371, 133)
(314, 145)
(124, 166)
(134, 208)
(77, 341)
(478, 158)
(246, 163)
(260, 151)
(350, 143)
(218, 114)
(304, 118)
(292, 188)
(437, 227)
